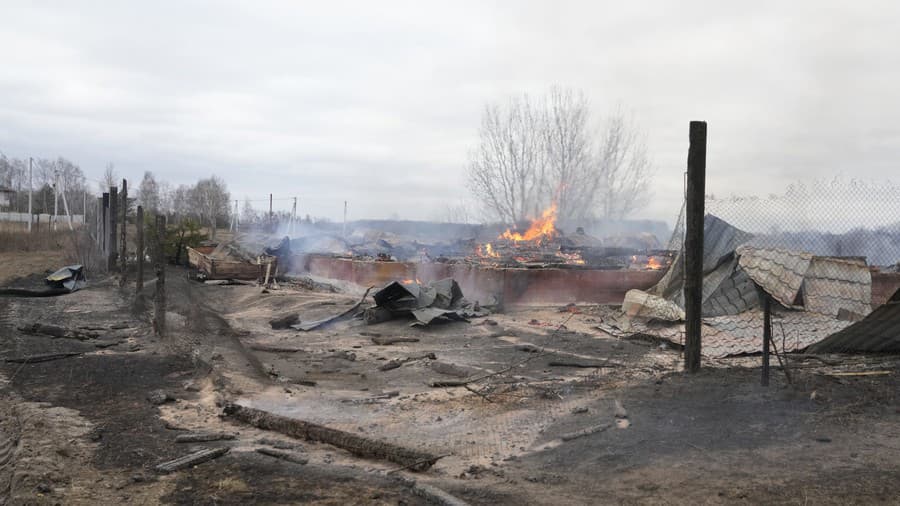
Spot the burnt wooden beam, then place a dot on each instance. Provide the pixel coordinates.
(693, 245)
(355, 444)
(139, 275)
(113, 248)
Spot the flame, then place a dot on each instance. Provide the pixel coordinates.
(571, 258)
(410, 281)
(653, 264)
(486, 250)
(540, 227)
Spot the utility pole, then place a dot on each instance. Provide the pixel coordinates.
(30, 190)
(693, 245)
(104, 223)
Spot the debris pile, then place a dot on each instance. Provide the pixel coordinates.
(439, 301)
(813, 296)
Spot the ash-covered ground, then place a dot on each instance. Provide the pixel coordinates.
(630, 428)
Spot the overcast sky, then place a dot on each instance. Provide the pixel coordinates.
(379, 102)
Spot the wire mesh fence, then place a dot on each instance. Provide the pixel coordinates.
(824, 253)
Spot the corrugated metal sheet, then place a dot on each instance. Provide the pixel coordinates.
(779, 272)
(793, 330)
(878, 332)
(720, 239)
(832, 284)
(734, 292)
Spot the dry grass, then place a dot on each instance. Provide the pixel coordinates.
(23, 253)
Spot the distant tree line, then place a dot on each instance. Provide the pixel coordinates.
(47, 173)
(205, 202)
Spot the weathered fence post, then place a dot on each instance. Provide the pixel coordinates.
(159, 321)
(139, 277)
(105, 224)
(113, 218)
(123, 257)
(693, 245)
(767, 336)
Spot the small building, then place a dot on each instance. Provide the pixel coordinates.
(7, 197)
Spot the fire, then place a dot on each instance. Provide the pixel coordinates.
(410, 281)
(486, 250)
(571, 258)
(545, 226)
(653, 264)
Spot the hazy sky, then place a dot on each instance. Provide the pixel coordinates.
(379, 102)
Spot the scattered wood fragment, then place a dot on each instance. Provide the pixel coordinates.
(57, 332)
(585, 364)
(296, 458)
(435, 495)
(387, 341)
(279, 444)
(106, 344)
(271, 348)
(585, 432)
(450, 369)
(285, 321)
(355, 444)
(860, 373)
(202, 437)
(192, 459)
(448, 384)
(31, 359)
(397, 362)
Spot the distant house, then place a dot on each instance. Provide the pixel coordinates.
(7, 197)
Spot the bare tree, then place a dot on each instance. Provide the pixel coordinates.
(623, 168)
(211, 197)
(148, 193)
(110, 178)
(531, 154)
(507, 166)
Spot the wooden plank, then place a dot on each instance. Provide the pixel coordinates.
(192, 459)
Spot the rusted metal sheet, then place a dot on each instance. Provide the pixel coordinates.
(511, 285)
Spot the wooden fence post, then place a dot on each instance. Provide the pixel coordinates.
(139, 277)
(693, 245)
(113, 219)
(767, 336)
(159, 321)
(104, 234)
(123, 257)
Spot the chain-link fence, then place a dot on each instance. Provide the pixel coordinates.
(824, 253)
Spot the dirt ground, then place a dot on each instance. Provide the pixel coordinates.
(81, 430)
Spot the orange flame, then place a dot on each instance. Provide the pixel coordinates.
(653, 264)
(410, 281)
(486, 250)
(540, 227)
